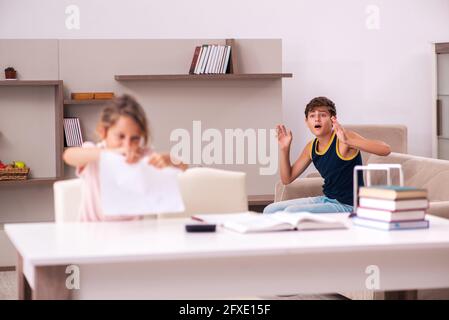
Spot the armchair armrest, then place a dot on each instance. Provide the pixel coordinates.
(314, 174)
(300, 188)
(439, 208)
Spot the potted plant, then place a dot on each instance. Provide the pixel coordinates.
(10, 73)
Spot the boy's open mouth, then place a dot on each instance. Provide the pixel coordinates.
(317, 126)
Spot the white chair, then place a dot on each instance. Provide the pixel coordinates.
(204, 190)
(207, 190)
(67, 198)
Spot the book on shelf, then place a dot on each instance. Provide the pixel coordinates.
(194, 59)
(249, 222)
(210, 59)
(390, 216)
(393, 205)
(199, 59)
(392, 192)
(219, 58)
(394, 225)
(72, 132)
(213, 55)
(227, 59)
(206, 58)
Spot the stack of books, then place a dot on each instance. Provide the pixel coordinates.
(392, 208)
(210, 59)
(72, 132)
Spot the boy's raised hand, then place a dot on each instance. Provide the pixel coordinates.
(285, 137)
(339, 130)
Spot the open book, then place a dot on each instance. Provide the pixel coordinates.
(280, 221)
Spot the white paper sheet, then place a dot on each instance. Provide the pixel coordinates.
(137, 189)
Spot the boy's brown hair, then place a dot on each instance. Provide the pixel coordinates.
(321, 102)
(125, 105)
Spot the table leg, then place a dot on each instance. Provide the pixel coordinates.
(23, 287)
(50, 283)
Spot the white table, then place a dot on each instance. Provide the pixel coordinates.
(159, 260)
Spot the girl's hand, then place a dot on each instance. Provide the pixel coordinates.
(339, 131)
(284, 137)
(159, 160)
(132, 155)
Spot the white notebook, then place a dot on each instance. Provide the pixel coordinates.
(247, 222)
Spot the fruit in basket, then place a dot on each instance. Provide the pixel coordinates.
(19, 164)
(2, 165)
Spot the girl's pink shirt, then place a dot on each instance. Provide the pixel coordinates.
(91, 210)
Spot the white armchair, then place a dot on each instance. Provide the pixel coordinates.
(207, 190)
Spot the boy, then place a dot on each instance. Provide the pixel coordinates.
(334, 152)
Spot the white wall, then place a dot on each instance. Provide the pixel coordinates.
(374, 76)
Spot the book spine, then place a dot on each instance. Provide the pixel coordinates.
(194, 60)
(206, 58)
(66, 132)
(74, 137)
(200, 59)
(203, 57)
(71, 140)
(78, 132)
(211, 60)
(382, 225)
(228, 54)
(220, 60)
(214, 66)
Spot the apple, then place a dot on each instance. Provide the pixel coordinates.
(19, 164)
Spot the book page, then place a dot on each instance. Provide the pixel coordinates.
(292, 218)
(137, 189)
(257, 223)
(307, 220)
(220, 218)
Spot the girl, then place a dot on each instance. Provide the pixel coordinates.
(123, 129)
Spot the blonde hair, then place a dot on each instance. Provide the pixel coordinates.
(124, 105)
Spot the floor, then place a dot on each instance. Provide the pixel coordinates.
(8, 290)
(8, 285)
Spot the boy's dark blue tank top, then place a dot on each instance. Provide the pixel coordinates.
(337, 171)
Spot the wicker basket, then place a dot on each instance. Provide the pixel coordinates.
(14, 174)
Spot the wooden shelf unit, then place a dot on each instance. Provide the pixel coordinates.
(228, 76)
(59, 134)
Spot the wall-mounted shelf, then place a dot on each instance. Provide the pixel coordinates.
(233, 76)
(30, 82)
(92, 101)
(32, 181)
